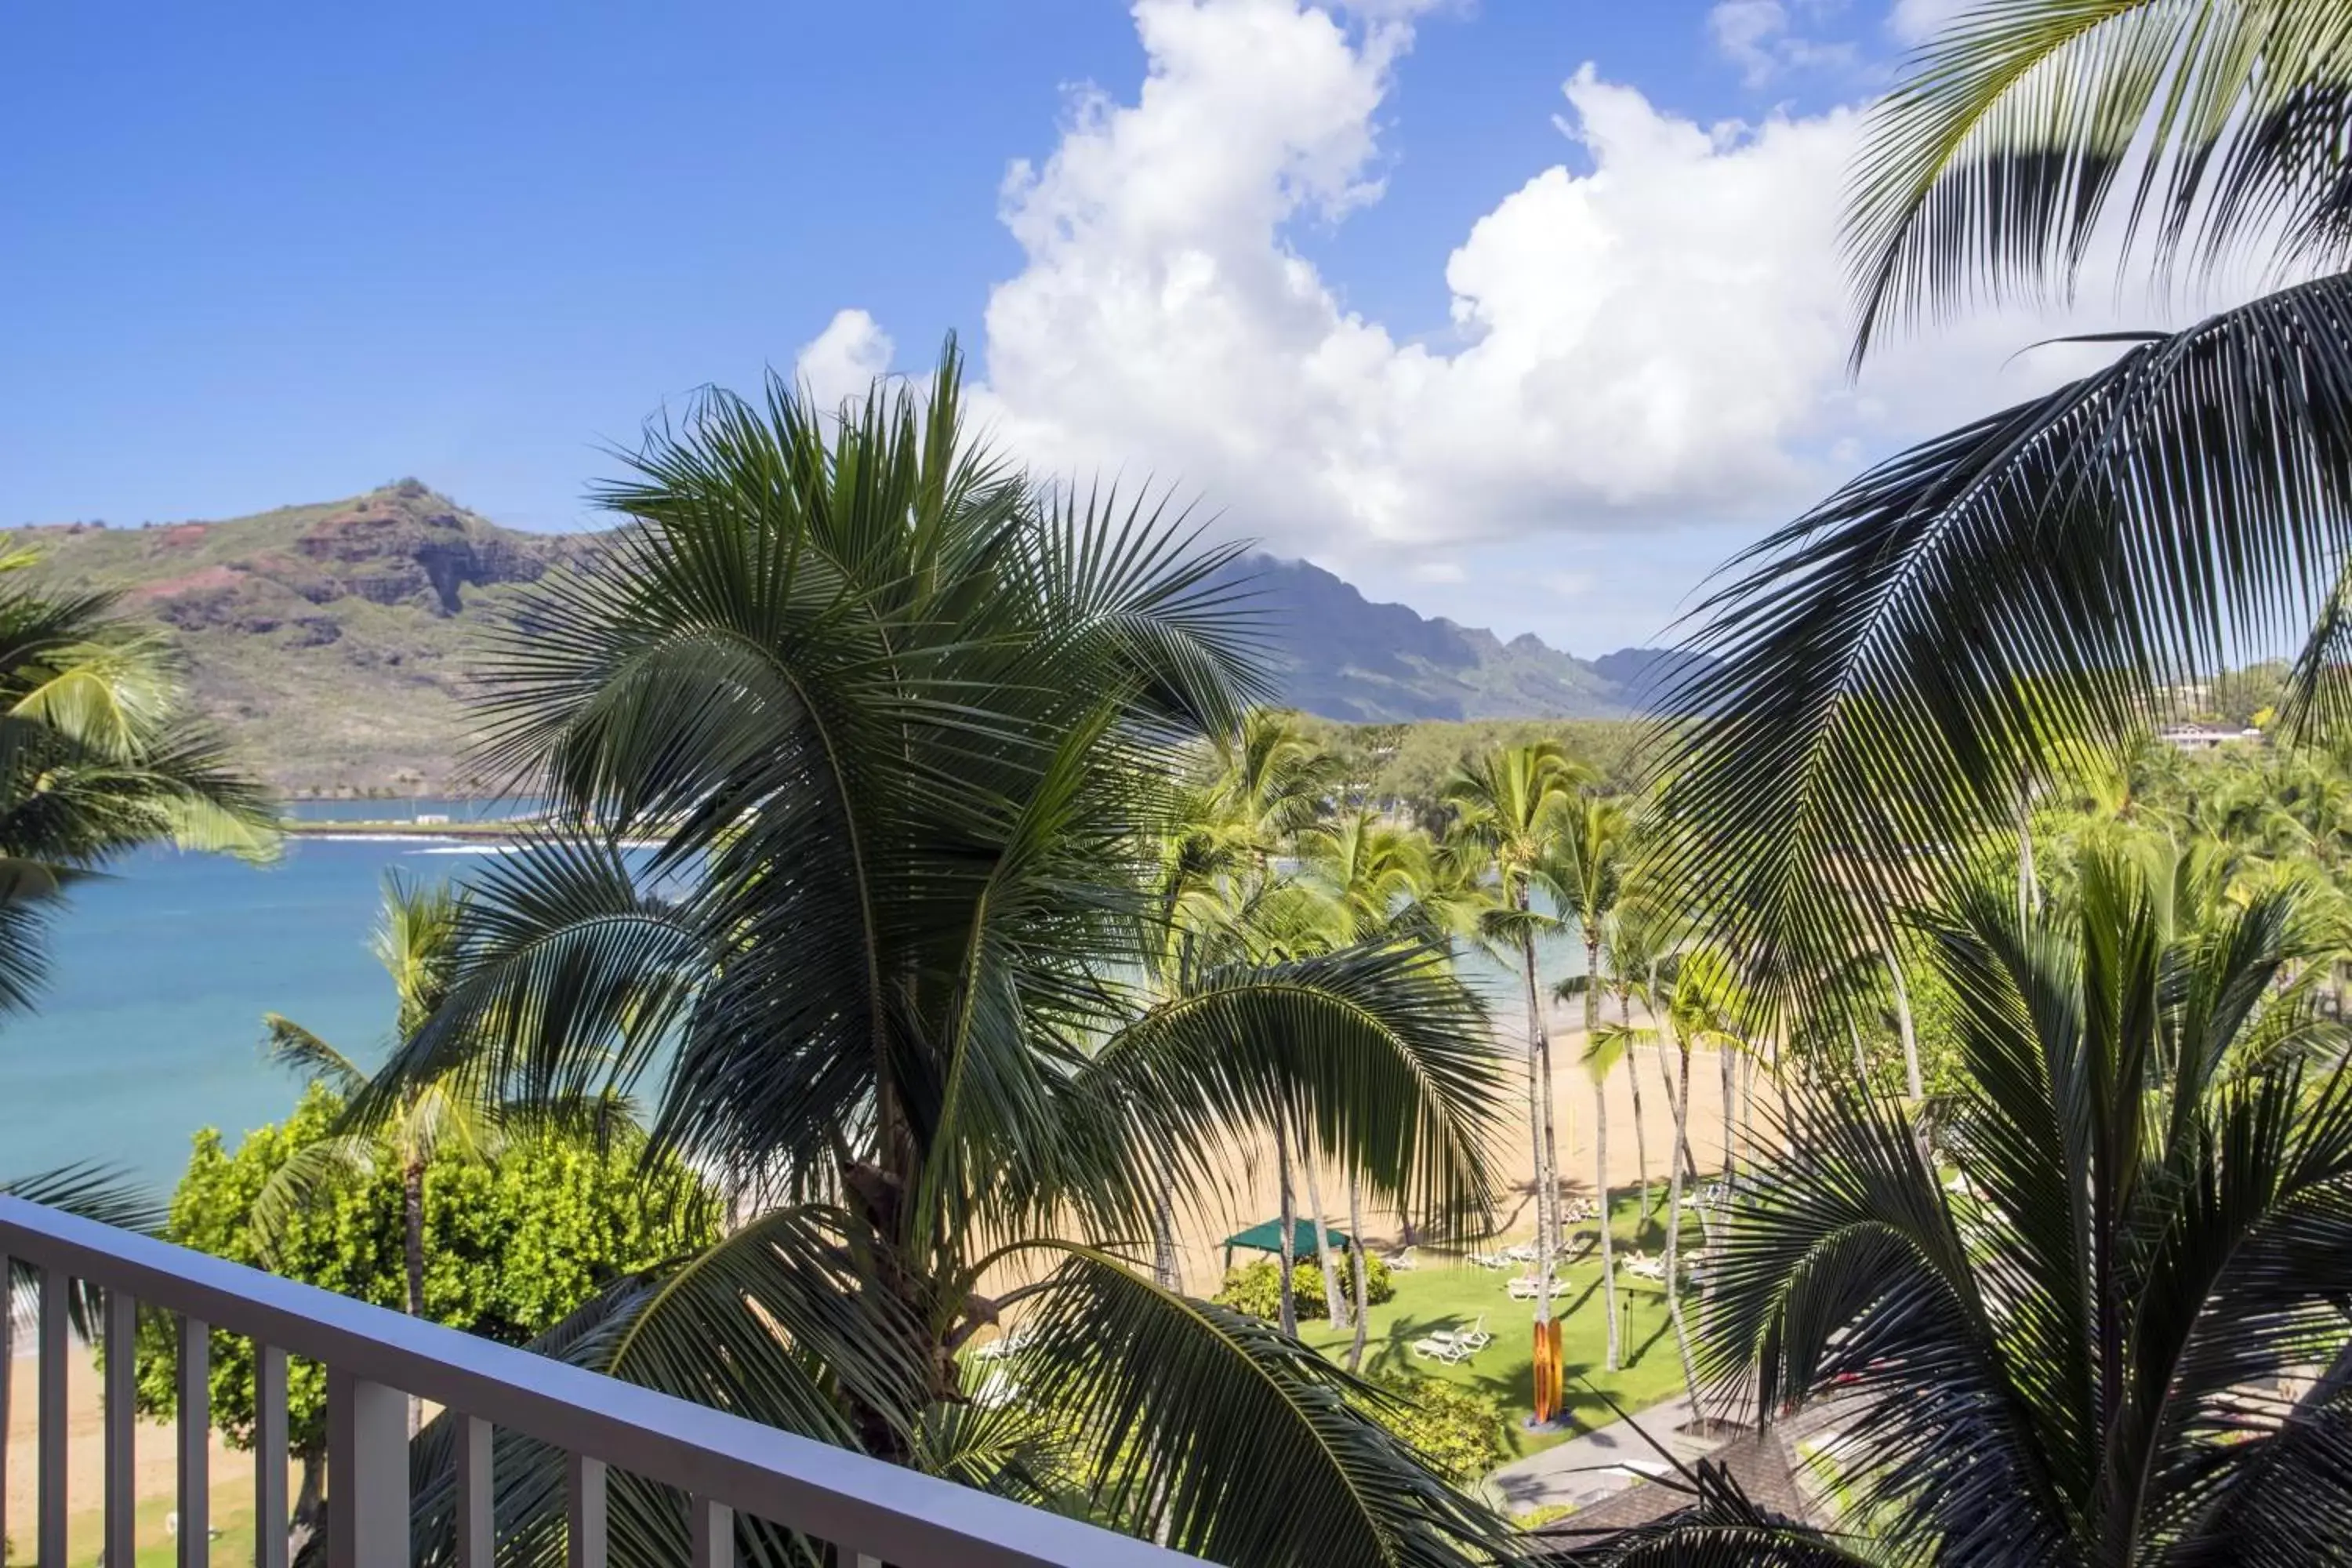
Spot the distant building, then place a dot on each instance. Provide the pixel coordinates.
(2205, 737)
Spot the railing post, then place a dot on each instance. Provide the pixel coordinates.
(270, 1515)
(50, 1533)
(122, 1424)
(476, 1518)
(8, 1359)
(367, 1473)
(712, 1528)
(584, 1535)
(195, 1400)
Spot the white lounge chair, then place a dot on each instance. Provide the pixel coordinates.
(1002, 1346)
(1490, 1260)
(1474, 1338)
(1438, 1347)
(1404, 1260)
(1523, 1252)
(1528, 1286)
(995, 1391)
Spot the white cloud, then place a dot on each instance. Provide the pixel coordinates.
(1916, 21)
(1656, 335)
(1762, 39)
(842, 361)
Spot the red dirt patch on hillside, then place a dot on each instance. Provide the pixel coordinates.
(210, 577)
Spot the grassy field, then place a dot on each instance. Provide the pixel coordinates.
(1445, 1293)
(86, 1533)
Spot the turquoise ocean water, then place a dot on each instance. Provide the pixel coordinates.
(151, 1026)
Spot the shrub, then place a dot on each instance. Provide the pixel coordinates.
(1251, 1289)
(1458, 1433)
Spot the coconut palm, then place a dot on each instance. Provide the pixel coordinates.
(1374, 873)
(2118, 1337)
(99, 753)
(1890, 673)
(1584, 870)
(1269, 781)
(905, 734)
(1508, 806)
(1692, 998)
(415, 940)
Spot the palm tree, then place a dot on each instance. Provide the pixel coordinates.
(1691, 998)
(1375, 874)
(415, 940)
(2120, 1339)
(905, 734)
(1888, 670)
(1268, 784)
(1508, 808)
(99, 753)
(1585, 872)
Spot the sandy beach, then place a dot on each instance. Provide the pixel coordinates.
(1253, 1194)
(1248, 1196)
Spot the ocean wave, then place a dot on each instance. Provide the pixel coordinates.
(380, 837)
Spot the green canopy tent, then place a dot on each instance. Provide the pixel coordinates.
(1267, 1238)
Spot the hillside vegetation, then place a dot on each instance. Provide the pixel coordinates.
(335, 640)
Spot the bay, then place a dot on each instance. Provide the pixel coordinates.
(150, 1027)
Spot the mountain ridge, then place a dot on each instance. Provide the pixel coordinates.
(334, 638)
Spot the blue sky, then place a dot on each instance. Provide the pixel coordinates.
(1367, 282)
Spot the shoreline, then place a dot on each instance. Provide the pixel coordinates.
(402, 827)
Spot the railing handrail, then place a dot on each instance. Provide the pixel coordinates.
(833, 1494)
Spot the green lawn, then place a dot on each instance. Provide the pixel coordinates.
(86, 1532)
(1443, 1293)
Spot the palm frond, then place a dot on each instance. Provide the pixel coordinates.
(2027, 128)
(1379, 1051)
(1897, 671)
(767, 1324)
(1239, 1444)
(94, 1191)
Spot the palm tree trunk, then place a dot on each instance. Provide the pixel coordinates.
(1641, 1129)
(1723, 1057)
(303, 1526)
(1363, 1286)
(1676, 1166)
(1600, 1156)
(1287, 1313)
(412, 1202)
(1539, 1121)
(2027, 887)
(1163, 1228)
(1681, 1158)
(1334, 1303)
(1912, 1087)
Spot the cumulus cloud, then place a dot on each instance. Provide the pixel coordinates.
(843, 360)
(1763, 39)
(1916, 21)
(1652, 330)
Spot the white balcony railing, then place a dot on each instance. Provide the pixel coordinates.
(874, 1514)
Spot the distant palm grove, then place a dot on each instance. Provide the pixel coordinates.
(935, 944)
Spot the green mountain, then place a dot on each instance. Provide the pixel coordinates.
(337, 639)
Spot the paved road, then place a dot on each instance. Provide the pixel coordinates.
(1610, 1458)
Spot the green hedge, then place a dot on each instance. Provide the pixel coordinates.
(1459, 1433)
(1252, 1289)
